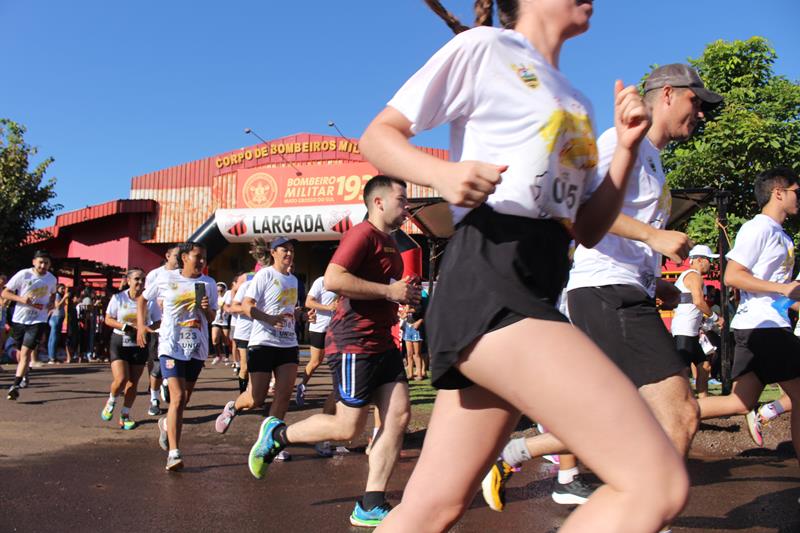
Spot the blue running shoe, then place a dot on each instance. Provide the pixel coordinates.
(371, 518)
(265, 448)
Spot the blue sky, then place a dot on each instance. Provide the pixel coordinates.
(117, 89)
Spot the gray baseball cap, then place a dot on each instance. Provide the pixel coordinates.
(680, 75)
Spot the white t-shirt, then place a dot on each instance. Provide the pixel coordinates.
(184, 329)
(768, 253)
(274, 294)
(687, 318)
(616, 260)
(221, 318)
(325, 297)
(243, 325)
(28, 283)
(507, 106)
(122, 308)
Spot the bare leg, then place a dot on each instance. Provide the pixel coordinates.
(285, 376)
(673, 404)
(346, 424)
(409, 360)
(646, 479)
(119, 373)
(178, 401)
(701, 381)
(415, 346)
(24, 356)
(134, 373)
(743, 397)
(392, 401)
(317, 355)
(791, 389)
(255, 394)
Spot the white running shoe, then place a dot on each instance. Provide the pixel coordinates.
(283, 455)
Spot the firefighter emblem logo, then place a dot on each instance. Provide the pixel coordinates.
(260, 190)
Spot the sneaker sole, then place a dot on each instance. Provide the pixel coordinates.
(753, 433)
(487, 488)
(364, 523)
(220, 424)
(256, 464)
(568, 499)
(174, 467)
(163, 439)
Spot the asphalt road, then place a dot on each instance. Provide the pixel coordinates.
(64, 469)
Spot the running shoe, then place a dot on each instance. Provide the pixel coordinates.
(371, 518)
(215, 361)
(576, 492)
(555, 459)
(265, 449)
(283, 456)
(754, 426)
(225, 417)
(154, 409)
(163, 440)
(13, 393)
(493, 485)
(300, 395)
(323, 449)
(341, 450)
(24, 383)
(164, 391)
(108, 411)
(174, 462)
(126, 423)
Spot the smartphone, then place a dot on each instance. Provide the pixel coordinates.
(199, 293)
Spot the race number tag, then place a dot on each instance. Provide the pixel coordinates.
(189, 341)
(128, 341)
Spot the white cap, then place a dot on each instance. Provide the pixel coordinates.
(701, 250)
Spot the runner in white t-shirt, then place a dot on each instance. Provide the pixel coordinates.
(612, 285)
(269, 301)
(242, 326)
(127, 358)
(690, 314)
(189, 300)
(760, 265)
(153, 366)
(220, 327)
(323, 302)
(513, 113)
(34, 291)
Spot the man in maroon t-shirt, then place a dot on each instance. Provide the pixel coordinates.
(366, 365)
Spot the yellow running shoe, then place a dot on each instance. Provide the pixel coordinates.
(494, 484)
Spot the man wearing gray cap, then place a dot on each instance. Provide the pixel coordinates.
(612, 287)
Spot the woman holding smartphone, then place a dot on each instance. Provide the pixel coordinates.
(189, 300)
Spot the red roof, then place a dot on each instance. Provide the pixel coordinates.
(93, 212)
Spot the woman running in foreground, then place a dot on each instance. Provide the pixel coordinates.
(501, 348)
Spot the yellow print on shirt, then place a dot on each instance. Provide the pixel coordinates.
(38, 292)
(575, 135)
(788, 263)
(288, 297)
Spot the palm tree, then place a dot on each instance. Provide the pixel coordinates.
(484, 14)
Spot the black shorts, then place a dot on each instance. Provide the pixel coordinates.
(624, 322)
(240, 344)
(357, 376)
(27, 335)
(772, 353)
(224, 327)
(132, 355)
(316, 339)
(498, 269)
(268, 358)
(690, 350)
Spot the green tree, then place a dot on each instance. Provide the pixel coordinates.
(24, 195)
(756, 128)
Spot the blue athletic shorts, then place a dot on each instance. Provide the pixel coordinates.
(177, 368)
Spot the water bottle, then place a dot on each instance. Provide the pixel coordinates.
(782, 305)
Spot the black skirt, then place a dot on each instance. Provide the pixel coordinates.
(498, 269)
